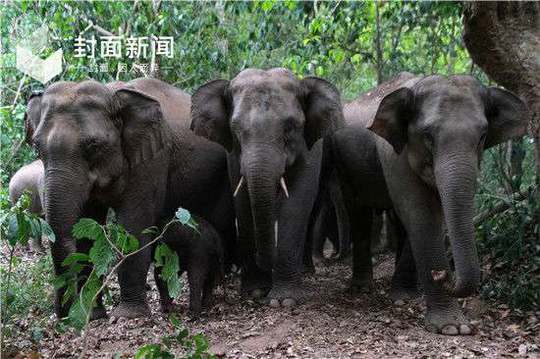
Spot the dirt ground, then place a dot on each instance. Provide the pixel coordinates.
(331, 324)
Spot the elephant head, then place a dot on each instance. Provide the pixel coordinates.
(88, 137)
(443, 124)
(269, 120)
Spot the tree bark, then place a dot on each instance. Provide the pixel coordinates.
(378, 45)
(503, 38)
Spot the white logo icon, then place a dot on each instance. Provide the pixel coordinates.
(29, 62)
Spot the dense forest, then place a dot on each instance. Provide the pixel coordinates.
(354, 45)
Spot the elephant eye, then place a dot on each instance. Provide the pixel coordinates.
(91, 147)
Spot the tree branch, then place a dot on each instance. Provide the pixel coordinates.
(502, 206)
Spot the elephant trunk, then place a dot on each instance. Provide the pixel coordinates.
(65, 194)
(455, 175)
(263, 174)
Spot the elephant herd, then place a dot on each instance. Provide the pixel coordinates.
(255, 160)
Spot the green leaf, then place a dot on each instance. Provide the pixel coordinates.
(151, 230)
(46, 230)
(80, 309)
(87, 228)
(24, 228)
(13, 230)
(127, 242)
(152, 351)
(75, 257)
(168, 259)
(101, 254)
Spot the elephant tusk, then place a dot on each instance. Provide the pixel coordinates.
(276, 228)
(238, 186)
(284, 186)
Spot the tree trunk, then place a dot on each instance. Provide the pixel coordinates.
(503, 38)
(378, 45)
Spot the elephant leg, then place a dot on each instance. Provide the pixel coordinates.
(287, 287)
(132, 273)
(405, 280)
(362, 276)
(422, 217)
(208, 290)
(196, 279)
(165, 300)
(295, 211)
(99, 214)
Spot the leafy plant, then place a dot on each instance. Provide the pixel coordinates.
(194, 346)
(111, 246)
(17, 226)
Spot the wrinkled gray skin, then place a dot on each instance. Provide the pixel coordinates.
(329, 220)
(29, 178)
(201, 255)
(128, 147)
(269, 122)
(421, 155)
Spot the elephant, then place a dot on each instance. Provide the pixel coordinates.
(29, 178)
(201, 255)
(127, 147)
(271, 123)
(329, 221)
(415, 144)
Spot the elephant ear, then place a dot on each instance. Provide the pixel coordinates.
(392, 117)
(507, 116)
(32, 116)
(210, 110)
(322, 109)
(141, 125)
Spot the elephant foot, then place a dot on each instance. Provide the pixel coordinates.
(447, 321)
(399, 293)
(286, 297)
(255, 288)
(360, 286)
(98, 312)
(131, 310)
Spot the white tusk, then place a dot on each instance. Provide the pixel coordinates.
(238, 186)
(276, 228)
(284, 186)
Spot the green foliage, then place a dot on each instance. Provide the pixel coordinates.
(508, 241)
(193, 346)
(17, 226)
(112, 244)
(29, 298)
(334, 40)
(168, 259)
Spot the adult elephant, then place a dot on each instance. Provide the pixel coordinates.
(269, 122)
(128, 147)
(421, 156)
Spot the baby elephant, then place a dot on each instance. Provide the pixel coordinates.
(29, 178)
(201, 254)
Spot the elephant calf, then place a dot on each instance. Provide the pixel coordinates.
(29, 178)
(201, 255)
